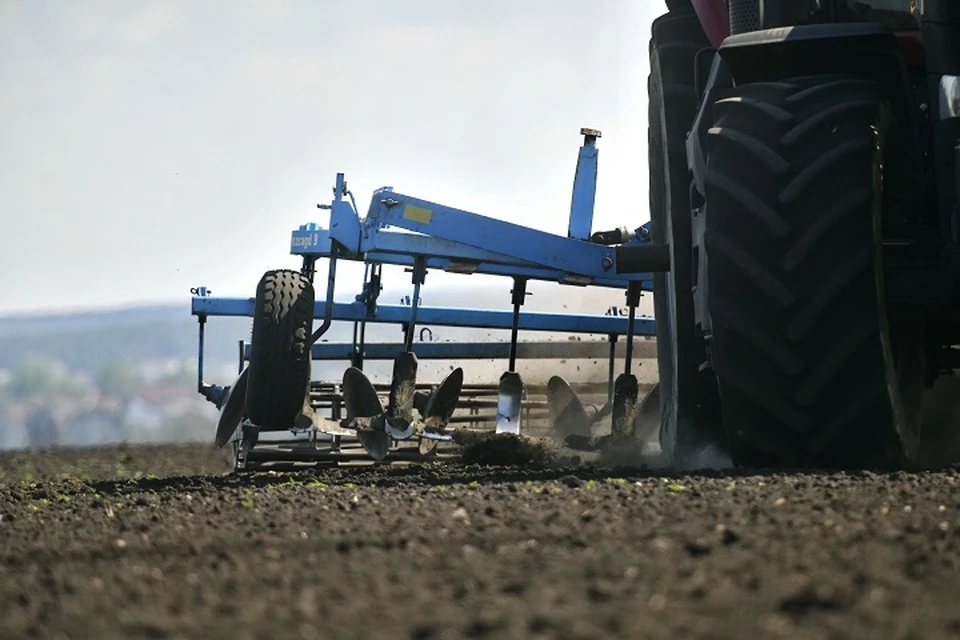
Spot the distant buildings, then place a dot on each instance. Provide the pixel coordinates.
(150, 412)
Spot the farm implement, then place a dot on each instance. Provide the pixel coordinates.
(274, 393)
(803, 252)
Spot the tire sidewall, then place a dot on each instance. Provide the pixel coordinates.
(661, 233)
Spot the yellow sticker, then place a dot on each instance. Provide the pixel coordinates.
(417, 214)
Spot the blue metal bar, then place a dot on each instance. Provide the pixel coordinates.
(530, 273)
(444, 316)
(328, 305)
(407, 243)
(572, 256)
(590, 350)
(419, 271)
(200, 342)
(399, 247)
(584, 187)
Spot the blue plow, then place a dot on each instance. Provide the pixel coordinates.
(420, 235)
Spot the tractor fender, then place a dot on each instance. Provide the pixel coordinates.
(849, 48)
(857, 49)
(862, 49)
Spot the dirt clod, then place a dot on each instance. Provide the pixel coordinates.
(503, 449)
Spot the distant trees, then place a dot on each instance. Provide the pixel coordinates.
(40, 377)
(44, 378)
(118, 379)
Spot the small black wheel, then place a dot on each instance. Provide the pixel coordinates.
(280, 357)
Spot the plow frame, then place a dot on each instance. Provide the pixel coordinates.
(406, 231)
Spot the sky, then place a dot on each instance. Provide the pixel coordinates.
(150, 147)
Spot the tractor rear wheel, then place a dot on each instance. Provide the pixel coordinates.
(676, 39)
(813, 369)
(280, 359)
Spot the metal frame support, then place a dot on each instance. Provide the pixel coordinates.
(328, 303)
(368, 296)
(201, 324)
(214, 393)
(633, 299)
(419, 272)
(309, 267)
(445, 316)
(584, 187)
(519, 295)
(611, 366)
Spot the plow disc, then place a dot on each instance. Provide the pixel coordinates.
(362, 401)
(439, 409)
(568, 415)
(573, 423)
(377, 428)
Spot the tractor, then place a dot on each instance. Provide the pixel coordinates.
(804, 160)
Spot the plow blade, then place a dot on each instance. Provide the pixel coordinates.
(399, 422)
(567, 414)
(509, 396)
(443, 401)
(361, 401)
(572, 423)
(375, 442)
(308, 418)
(233, 409)
(439, 409)
(403, 387)
(376, 428)
(570, 419)
(359, 395)
(625, 393)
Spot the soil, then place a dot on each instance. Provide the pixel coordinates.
(163, 542)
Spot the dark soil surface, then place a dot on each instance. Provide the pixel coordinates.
(161, 542)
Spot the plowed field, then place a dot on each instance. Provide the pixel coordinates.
(161, 542)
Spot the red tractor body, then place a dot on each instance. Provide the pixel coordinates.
(714, 17)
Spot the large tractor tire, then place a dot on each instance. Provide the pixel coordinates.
(280, 359)
(676, 38)
(812, 367)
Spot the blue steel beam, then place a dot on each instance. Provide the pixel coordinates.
(399, 247)
(443, 316)
(575, 350)
(577, 257)
(584, 187)
(316, 241)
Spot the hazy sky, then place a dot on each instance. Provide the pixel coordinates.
(147, 147)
